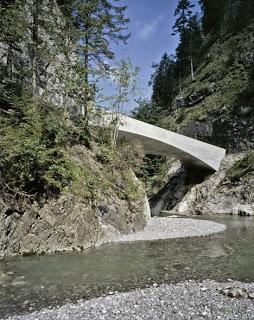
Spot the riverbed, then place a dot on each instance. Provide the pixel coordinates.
(31, 283)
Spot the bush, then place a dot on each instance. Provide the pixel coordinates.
(242, 167)
(34, 140)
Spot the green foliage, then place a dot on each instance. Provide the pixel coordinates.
(50, 55)
(96, 24)
(183, 13)
(125, 82)
(145, 111)
(34, 135)
(99, 22)
(242, 168)
(106, 154)
(224, 17)
(85, 181)
(163, 83)
(150, 168)
(213, 13)
(239, 15)
(131, 188)
(148, 111)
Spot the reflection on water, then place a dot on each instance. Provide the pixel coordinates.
(28, 283)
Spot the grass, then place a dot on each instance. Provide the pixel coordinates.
(242, 168)
(225, 74)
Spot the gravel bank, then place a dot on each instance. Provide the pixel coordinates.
(188, 300)
(166, 228)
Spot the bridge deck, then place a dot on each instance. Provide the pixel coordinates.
(164, 142)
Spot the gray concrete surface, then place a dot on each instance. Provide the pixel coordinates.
(160, 141)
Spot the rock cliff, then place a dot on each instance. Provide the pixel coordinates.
(74, 220)
(218, 107)
(228, 191)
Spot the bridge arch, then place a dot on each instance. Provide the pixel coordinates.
(160, 141)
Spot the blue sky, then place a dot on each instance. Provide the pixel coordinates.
(150, 25)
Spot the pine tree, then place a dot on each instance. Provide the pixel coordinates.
(163, 82)
(187, 25)
(146, 111)
(183, 13)
(99, 23)
(213, 13)
(13, 26)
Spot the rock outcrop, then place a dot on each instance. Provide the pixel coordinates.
(218, 107)
(218, 194)
(68, 223)
(75, 221)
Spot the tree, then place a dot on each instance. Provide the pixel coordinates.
(183, 13)
(125, 78)
(13, 27)
(213, 13)
(146, 111)
(187, 25)
(163, 82)
(99, 23)
(238, 15)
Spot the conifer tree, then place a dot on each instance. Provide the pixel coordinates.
(213, 12)
(13, 26)
(163, 82)
(183, 13)
(99, 22)
(188, 27)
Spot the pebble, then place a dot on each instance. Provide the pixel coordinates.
(235, 292)
(168, 228)
(251, 295)
(185, 300)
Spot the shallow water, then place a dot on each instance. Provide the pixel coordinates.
(29, 283)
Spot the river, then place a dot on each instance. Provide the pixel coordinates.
(30, 283)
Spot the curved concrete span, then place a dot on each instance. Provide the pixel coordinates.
(160, 141)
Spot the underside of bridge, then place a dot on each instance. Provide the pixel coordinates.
(159, 141)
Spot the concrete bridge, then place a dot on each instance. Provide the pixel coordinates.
(160, 141)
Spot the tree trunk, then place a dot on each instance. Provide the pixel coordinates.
(180, 83)
(34, 55)
(86, 93)
(10, 61)
(192, 71)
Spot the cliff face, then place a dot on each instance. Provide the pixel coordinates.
(218, 107)
(76, 220)
(228, 191)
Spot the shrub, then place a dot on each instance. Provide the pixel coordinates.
(242, 167)
(33, 154)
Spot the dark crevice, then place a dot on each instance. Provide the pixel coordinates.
(177, 187)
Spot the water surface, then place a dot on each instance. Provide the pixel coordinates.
(29, 283)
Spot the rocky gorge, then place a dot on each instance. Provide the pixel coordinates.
(91, 227)
(228, 191)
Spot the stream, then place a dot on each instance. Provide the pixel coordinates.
(30, 283)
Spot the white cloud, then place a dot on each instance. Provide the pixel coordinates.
(147, 30)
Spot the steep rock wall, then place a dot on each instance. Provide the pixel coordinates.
(218, 194)
(76, 219)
